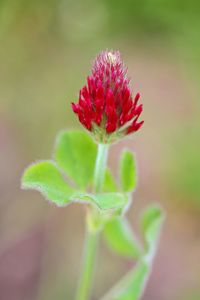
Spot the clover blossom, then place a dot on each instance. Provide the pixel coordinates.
(106, 106)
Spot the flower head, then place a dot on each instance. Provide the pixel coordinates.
(106, 106)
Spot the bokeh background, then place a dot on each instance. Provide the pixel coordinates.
(46, 50)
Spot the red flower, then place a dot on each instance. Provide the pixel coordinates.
(106, 106)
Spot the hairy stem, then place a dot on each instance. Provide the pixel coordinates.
(92, 233)
(89, 254)
(100, 167)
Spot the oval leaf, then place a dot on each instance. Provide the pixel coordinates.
(104, 201)
(110, 200)
(109, 182)
(45, 177)
(151, 223)
(127, 171)
(132, 285)
(135, 284)
(120, 238)
(75, 153)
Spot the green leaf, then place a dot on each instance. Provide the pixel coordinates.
(138, 280)
(106, 201)
(127, 171)
(75, 153)
(120, 238)
(132, 285)
(151, 222)
(46, 178)
(103, 201)
(109, 182)
(136, 283)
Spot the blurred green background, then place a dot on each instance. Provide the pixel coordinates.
(46, 50)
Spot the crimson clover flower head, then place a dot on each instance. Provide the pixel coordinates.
(106, 106)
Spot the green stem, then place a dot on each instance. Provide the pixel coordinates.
(89, 254)
(100, 167)
(92, 234)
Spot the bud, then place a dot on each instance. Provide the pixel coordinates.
(106, 106)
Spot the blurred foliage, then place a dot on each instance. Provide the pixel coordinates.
(160, 17)
(183, 164)
(173, 22)
(190, 296)
(163, 18)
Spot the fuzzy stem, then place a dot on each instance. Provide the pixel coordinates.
(92, 233)
(100, 167)
(91, 241)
